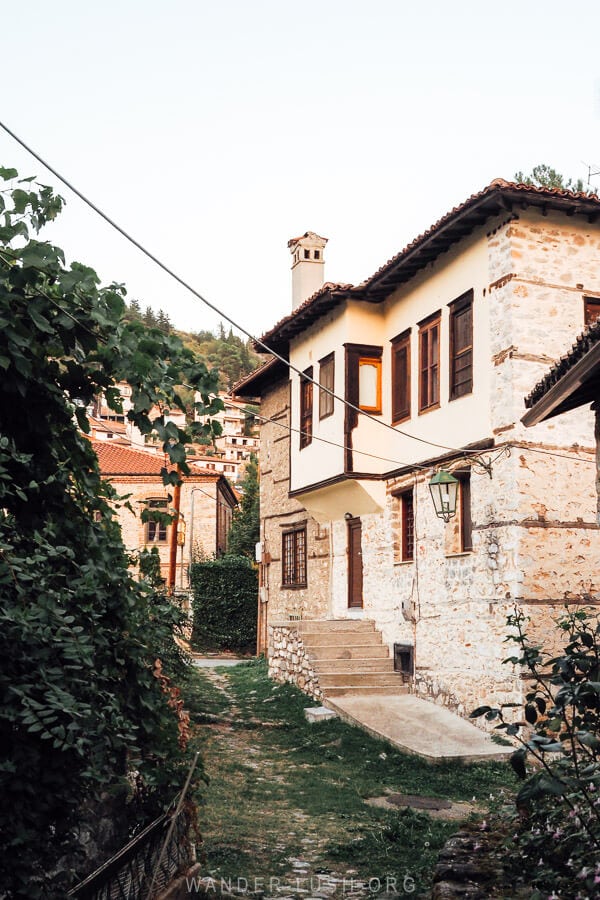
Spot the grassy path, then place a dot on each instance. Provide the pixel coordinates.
(286, 811)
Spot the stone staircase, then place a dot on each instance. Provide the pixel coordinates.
(350, 658)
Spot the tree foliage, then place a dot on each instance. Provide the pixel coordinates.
(225, 604)
(555, 836)
(230, 354)
(244, 533)
(547, 177)
(83, 713)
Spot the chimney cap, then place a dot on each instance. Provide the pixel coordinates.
(311, 236)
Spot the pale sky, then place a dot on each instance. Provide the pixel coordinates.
(215, 131)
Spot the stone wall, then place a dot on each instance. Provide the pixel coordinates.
(535, 537)
(288, 660)
(202, 533)
(280, 512)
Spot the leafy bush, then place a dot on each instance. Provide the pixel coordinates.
(225, 600)
(89, 717)
(557, 822)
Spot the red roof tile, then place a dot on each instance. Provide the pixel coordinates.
(115, 459)
(498, 196)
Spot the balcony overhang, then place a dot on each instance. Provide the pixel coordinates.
(331, 502)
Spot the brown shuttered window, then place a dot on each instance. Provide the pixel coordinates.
(326, 380)
(306, 408)
(591, 309)
(429, 363)
(401, 378)
(408, 526)
(461, 346)
(293, 558)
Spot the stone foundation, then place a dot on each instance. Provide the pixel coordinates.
(289, 662)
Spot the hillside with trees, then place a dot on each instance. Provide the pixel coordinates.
(232, 355)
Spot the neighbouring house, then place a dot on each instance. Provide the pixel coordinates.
(432, 355)
(237, 441)
(206, 504)
(573, 382)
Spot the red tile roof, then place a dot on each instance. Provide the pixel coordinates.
(499, 196)
(115, 459)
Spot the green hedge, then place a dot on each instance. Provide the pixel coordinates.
(225, 604)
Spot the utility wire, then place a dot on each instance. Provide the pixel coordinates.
(216, 309)
(208, 303)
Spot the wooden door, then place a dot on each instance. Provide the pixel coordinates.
(355, 568)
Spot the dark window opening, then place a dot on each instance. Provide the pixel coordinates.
(293, 558)
(156, 532)
(408, 526)
(461, 346)
(591, 309)
(466, 524)
(307, 254)
(404, 660)
(317, 254)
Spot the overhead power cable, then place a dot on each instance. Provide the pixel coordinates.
(258, 341)
(211, 305)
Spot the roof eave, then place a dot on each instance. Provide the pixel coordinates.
(557, 396)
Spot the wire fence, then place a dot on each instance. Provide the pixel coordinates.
(129, 874)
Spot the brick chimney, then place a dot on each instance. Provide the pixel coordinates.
(308, 266)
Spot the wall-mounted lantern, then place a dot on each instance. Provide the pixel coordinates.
(444, 491)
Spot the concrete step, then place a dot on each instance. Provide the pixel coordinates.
(352, 690)
(368, 679)
(358, 651)
(361, 664)
(340, 638)
(417, 726)
(335, 625)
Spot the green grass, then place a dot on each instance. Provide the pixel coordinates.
(282, 790)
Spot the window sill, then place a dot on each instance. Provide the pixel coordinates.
(458, 555)
(292, 587)
(404, 562)
(428, 409)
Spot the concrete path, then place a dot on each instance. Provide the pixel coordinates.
(418, 726)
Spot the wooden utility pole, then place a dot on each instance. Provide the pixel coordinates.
(173, 541)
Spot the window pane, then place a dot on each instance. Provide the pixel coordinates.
(367, 385)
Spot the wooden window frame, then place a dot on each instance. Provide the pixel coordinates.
(306, 408)
(326, 368)
(458, 308)
(294, 558)
(426, 327)
(401, 410)
(588, 303)
(156, 532)
(466, 522)
(407, 520)
(376, 362)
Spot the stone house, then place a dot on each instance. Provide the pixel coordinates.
(573, 382)
(236, 443)
(207, 502)
(422, 366)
